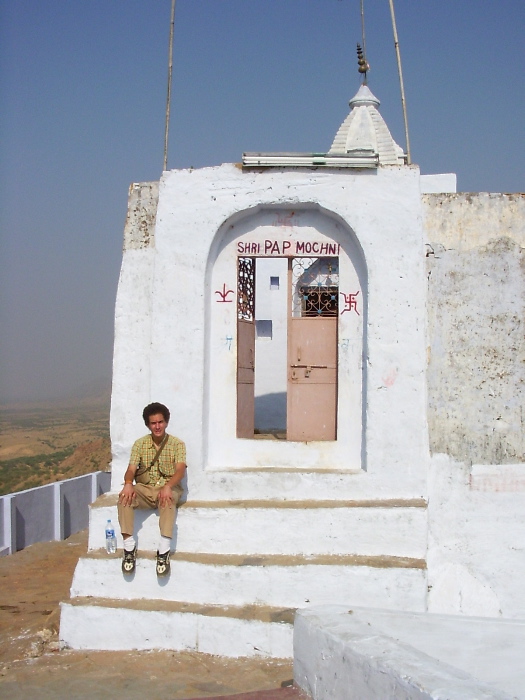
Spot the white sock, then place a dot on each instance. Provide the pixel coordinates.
(164, 544)
(129, 544)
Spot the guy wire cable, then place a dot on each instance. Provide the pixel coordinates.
(398, 57)
(168, 99)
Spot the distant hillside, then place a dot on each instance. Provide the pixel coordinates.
(43, 442)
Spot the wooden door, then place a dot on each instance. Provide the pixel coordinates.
(245, 378)
(312, 379)
(245, 347)
(312, 349)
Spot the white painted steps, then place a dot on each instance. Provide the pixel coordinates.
(97, 623)
(291, 582)
(281, 527)
(247, 556)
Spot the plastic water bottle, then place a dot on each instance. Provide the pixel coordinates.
(111, 540)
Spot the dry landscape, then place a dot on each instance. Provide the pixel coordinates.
(45, 442)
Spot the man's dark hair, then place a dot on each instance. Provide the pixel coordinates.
(153, 408)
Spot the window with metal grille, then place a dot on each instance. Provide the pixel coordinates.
(319, 301)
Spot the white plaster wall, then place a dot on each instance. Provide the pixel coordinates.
(131, 361)
(440, 183)
(271, 354)
(469, 219)
(476, 372)
(476, 548)
(166, 346)
(476, 383)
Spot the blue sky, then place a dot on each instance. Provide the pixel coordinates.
(83, 93)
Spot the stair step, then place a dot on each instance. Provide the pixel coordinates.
(379, 562)
(257, 527)
(262, 613)
(288, 582)
(99, 623)
(110, 499)
(309, 504)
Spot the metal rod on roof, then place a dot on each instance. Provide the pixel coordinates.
(363, 25)
(361, 52)
(403, 102)
(168, 99)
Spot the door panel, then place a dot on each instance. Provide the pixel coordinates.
(245, 378)
(312, 379)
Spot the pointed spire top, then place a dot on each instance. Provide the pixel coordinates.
(364, 98)
(363, 65)
(364, 132)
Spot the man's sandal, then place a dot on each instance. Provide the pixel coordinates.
(128, 561)
(163, 564)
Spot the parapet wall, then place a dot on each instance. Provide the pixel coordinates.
(465, 220)
(50, 512)
(476, 326)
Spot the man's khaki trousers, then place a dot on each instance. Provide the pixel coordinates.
(146, 497)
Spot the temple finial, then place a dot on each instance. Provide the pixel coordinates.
(363, 66)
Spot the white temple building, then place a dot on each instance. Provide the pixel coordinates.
(340, 341)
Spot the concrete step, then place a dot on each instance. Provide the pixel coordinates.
(303, 482)
(281, 527)
(96, 623)
(277, 581)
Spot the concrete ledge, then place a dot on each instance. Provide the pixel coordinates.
(357, 654)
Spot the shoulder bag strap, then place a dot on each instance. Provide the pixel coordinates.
(161, 447)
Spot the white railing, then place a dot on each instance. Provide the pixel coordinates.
(51, 512)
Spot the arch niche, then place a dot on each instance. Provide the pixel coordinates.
(283, 282)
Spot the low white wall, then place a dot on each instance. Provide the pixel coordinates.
(343, 653)
(51, 512)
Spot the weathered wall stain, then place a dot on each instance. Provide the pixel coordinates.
(469, 219)
(476, 371)
(139, 230)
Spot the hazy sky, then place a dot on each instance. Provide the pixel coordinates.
(83, 93)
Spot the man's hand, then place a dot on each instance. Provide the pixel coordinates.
(165, 496)
(127, 495)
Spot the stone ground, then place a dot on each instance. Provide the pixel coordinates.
(33, 664)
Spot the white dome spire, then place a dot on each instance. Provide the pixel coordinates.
(365, 133)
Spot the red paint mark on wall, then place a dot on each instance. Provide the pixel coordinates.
(248, 248)
(285, 219)
(271, 247)
(350, 302)
(224, 295)
(390, 378)
(316, 248)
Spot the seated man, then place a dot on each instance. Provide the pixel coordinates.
(157, 465)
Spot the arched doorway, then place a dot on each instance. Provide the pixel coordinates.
(298, 362)
(310, 319)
